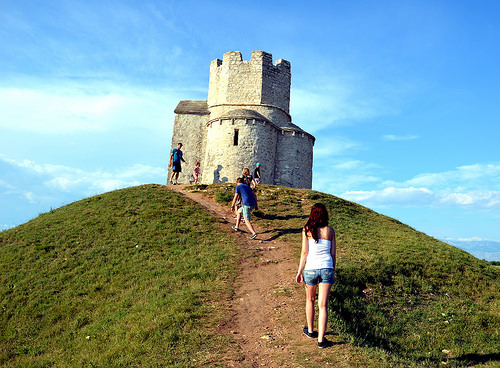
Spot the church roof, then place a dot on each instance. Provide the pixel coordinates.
(192, 107)
(244, 114)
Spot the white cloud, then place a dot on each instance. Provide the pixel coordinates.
(354, 165)
(477, 171)
(348, 165)
(67, 111)
(463, 178)
(391, 196)
(29, 196)
(98, 181)
(471, 239)
(325, 97)
(333, 175)
(59, 178)
(4, 184)
(43, 112)
(470, 186)
(330, 107)
(339, 183)
(483, 199)
(424, 197)
(392, 137)
(333, 146)
(29, 187)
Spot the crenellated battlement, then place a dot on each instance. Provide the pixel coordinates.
(255, 81)
(258, 58)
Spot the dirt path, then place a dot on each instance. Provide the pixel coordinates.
(268, 306)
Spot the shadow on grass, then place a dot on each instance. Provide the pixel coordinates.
(473, 359)
(280, 232)
(278, 217)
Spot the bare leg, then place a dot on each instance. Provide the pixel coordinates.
(324, 292)
(250, 226)
(238, 218)
(310, 298)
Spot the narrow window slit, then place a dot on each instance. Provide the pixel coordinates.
(236, 134)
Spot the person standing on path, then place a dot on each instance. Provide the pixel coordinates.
(175, 163)
(249, 201)
(256, 175)
(316, 269)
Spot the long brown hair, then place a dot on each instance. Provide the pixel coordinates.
(317, 218)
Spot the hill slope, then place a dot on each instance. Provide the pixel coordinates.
(114, 280)
(396, 288)
(137, 275)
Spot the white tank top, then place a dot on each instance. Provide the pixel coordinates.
(319, 255)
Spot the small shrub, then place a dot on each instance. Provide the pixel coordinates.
(314, 195)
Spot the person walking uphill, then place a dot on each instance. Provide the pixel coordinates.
(256, 175)
(316, 269)
(175, 163)
(249, 201)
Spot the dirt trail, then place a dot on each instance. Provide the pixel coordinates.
(268, 306)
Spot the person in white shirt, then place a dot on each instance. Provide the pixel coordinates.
(316, 269)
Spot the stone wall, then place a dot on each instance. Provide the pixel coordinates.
(190, 130)
(225, 158)
(294, 159)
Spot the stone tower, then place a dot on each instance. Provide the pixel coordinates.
(245, 120)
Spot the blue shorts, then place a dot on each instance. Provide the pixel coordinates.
(319, 276)
(245, 211)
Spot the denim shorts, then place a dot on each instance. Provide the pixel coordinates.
(319, 276)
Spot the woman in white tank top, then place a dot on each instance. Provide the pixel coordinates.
(316, 268)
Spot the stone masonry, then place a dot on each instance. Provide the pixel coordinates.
(245, 120)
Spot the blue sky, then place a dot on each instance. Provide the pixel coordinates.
(402, 97)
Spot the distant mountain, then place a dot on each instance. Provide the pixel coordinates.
(483, 249)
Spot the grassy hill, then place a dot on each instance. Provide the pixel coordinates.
(397, 289)
(125, 278)
(140, 276)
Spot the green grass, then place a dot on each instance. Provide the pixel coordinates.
(397, 290)
(139, 277)
(128, 278)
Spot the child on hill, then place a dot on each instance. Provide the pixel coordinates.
(196, 172)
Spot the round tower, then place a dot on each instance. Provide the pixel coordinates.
(238, 139)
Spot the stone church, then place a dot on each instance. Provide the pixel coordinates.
(245, 120)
